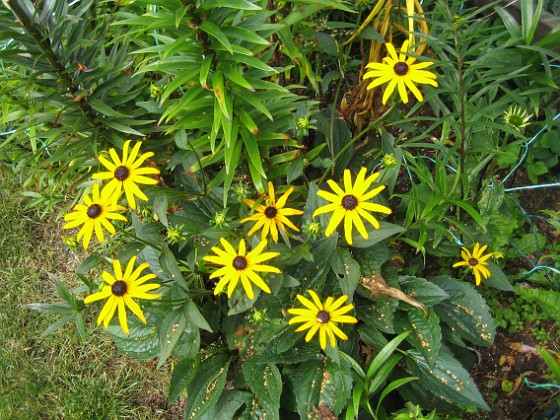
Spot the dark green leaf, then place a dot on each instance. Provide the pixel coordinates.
(181, 377)
(206, 390)
(422, 290)
(170, 331)
(465, 311)
(447, 380)
(266, 383)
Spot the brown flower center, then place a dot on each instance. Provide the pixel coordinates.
(473, 262)
(94, 211)
(121, 173)
(400, 68)
(270, 212)
(119, 288)
(323, 317)
(349, 202)
(240, 263)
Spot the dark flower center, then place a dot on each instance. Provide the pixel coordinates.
(121, 173)
(119, 288)
(270, 212)
(94, 211)
(240, 263)
(400, 68)
(473, 262)
(323, 317)
(349, 202)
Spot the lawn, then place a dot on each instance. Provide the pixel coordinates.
(59, 376)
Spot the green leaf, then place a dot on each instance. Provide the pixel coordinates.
(121, 127)
(548, 300)
(422, 290)
(180, 378)
(141, 343)
(206, 390)
(465, 311)
(160, 208)
(266, 383)
(89, 263)
(196, 317)
(319, 381)
(470, 210)
(228, 405)
(447, 380)
(384, 355)
(231, 4)
(170, 266)
(498, 280)
(551, 362)
(170, 330)
(385, 231)
(295, 169)
(215, 32)
(347, 270)
(425, 333)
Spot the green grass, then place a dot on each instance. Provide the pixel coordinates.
(59, 376)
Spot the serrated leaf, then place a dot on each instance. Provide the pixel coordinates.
(371, 258)
(448, 380)
(425, 333)
(422, 290)
(466, 312)
(266, 383)
(180, 378)
(548, 300)
(206, 390)
(142, 342)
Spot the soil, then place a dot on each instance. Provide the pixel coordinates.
(509, 372)
(501, 374)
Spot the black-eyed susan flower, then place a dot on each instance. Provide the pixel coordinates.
(125, 173)
(351, 204)
(400, 72)
(120, 291)
(322, 317)
(476, 261)
(272, 215)
(94, 213)
(240, 265)
(516, 117)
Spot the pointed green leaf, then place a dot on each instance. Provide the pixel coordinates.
(447, 380)
(231, 4)
(206, 390)
(180, 378)
(466, 312)
(422, 290)
(215, 32)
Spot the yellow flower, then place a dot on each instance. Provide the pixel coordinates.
(475, 261)
(241, 265)
(400, 72)
(125, 173)
(273, 215)
(120, 291)
(351, 204)
(94, 214)
(317, 316)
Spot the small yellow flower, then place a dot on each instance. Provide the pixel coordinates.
(351, 204)
(94, 213)
(240, 265)
(317, 316)
(476, 261)
(125, 173)
(273, 215)
(120, 290)
(401, 73)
